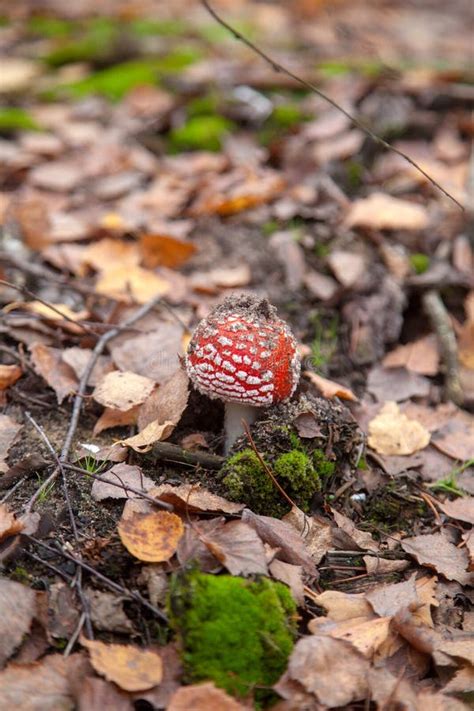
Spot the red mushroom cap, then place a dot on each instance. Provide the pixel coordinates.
(242, 352)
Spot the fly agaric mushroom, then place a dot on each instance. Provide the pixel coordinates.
(243, 354)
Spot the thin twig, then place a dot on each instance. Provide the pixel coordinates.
(277, 67)
(26, 292)
(75, 635)
(442, 326)
(18, 356)
(171, 452)
(133, 594)
(59, 465)
(11, 491)
(99, 347)
(121, 485)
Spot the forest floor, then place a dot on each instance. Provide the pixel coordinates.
(151, 164)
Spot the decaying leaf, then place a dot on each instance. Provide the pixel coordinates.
(203, 697)
(42, 685)
(115, 418)
(392, 432)
(121, 475)
(122, 391)
(195, 499)
(132, 669)
(78, 359)
(106, 611)
(459, 509)
(9, 430)
(48, 363)
(17, 607)
(342, 606)
(328, 388)
(383, 212)
(151, 537)
(435, 551)
(331, 669)
(361, 539)
(167, 403)
(420, 356)
(237, 546)
(9, 374)
(367, 636)
(348, 267)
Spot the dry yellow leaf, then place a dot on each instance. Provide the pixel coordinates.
(383, 212)
(152, 537)
(130, 668)
(122, 390)
(9, 374)
(154, 432)
(115, 418)
(131, 284)
(111, 254)
(329, 388)
(393, 433)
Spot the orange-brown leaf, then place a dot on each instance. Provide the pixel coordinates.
(151, 537)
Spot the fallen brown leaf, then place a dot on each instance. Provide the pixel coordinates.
(361, 539)
(109, 254)
(17, 608)
(421, 356)
(291, 575)
(115, 418)
(331, 669)
(435, 551)
(122, 391)
(195, 499)
(48, 363)
(367, 636)
(95, 694)
(121, 474)
(9, 430)
(456, 438)
(153, 353)
(279, 534)
(78, 359)
(315, 531)
(393, 433)
(342, 606)
(396, 384)
(459, 509)
(106, 611)
(42, 685)
(329, 388)
(383, 212)
(238, 548)
(132, 669)
(388, 600)
(167, 403)
(347, 267)
(151, 537)
(203, 697)
(64, 319)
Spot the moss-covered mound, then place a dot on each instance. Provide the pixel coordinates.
(236, 632)
(304, 443)
(298, 473)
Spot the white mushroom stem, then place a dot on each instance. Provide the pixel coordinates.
(233, 427)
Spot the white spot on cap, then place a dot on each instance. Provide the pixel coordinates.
(252, 380)
(236, 358)
(225, 341)
(241, 375)
(267, 388)
(256, 365)
(247, 360)
(227, 365)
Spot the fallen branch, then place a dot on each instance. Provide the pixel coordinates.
(277, 67)
(442, 326)
(173, 453)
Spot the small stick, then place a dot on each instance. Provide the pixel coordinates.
(121, 485)
(99, 347)
(171, 452)
(442, 326)
(31, 294)
(277, 67)
(100, 576)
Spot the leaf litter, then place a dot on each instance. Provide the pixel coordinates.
(169, 197)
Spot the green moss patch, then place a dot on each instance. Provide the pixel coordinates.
(16, 119)
(233, 631)
(298, 472)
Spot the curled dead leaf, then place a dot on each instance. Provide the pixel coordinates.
(144, 440)
(9, 374)
(329, 388)
(122, 391)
